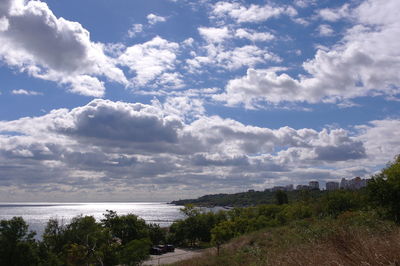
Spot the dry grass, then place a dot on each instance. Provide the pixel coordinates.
(327, 244)
(345, 248)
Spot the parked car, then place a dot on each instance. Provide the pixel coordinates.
(155, 251)
(170, 248)
(163, 248)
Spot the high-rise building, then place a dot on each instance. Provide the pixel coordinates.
(313, 185)
(332, 186)
(355, 183)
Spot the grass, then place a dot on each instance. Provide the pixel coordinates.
(351, 239)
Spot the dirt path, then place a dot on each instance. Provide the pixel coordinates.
(171, 257)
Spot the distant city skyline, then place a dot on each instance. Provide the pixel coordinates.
(165, 99)
(351, 183)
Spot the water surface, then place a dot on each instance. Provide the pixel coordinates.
(37, 214)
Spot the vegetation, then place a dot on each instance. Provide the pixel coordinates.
(353, 238)
(250, 198)
(384, 190)
(115, 240)
(340, 228)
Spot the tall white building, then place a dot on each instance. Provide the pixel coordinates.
(355, 183)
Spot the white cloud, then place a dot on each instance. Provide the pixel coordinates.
(55, 49)
(253, 35)
(4, 24)
(334, 14)
(188, 42)
(364, 63)
(252, 13)
(231, 59)
(171, 80)
(25, 92)
(214, 35)
(381, 139)
(149, 60)
(173, 144)
(153, 19)
(325, 30)
(134, 30)
(304, 3)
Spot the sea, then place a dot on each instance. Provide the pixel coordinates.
(37, 214)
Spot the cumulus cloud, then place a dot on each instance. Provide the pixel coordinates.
(334, 14)
(35, 41)
(325, 30)
(218, 51)
(252, 13)
(253, 35)
(153, 19)
(231, 59)
(150, 60)
(364, 63)
(214, 35)
(129, 145)
(381, 139)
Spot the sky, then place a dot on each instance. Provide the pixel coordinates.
(159, 100)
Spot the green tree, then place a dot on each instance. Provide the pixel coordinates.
(135, 252)
(222, 233)
(157, 234)
(281, 197)
(17, 244)
(336, 202)
(125, 227)
(384, 190)
(85, 241)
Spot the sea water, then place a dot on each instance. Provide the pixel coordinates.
(37, 214)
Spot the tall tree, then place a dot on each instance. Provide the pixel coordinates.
(281, 197)
(384, 189)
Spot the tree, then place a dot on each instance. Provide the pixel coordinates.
(125, 227)
(17, 244)
(384, 189)
(281, 197)
(336, 202)
(135, 252)
(157, 234)
(85, 240)
(222, 233)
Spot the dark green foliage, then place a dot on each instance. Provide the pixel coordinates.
(281, 197)
(244, 199)
(17, 245)
(125, 227)
(135, 251)
(336, 202)
(195, 228)
(84, 241)
(157, 234)
(384, 190)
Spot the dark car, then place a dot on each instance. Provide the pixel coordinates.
(163, 248)
(170, 248)
(155, 251)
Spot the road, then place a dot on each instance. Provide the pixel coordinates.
(171, 257)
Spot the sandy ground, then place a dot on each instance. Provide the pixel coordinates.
(171, 257)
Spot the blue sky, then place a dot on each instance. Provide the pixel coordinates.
(119, 100)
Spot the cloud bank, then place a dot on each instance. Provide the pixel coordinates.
(115, 145)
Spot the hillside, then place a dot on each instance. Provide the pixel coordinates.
(250, 198)
(352, 239)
